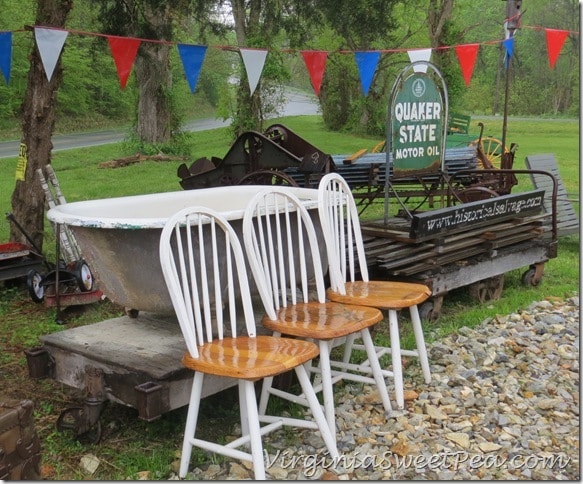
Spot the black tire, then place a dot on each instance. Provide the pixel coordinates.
(36, 289)
(83, 276)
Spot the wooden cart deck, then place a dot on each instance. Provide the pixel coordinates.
(134, 355)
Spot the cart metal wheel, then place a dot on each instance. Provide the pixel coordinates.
(83, 276)
(430, 310)
(75, 419)
(35, 287)
(491, 149)
(487, 289)
(267, 177)
(529, 278)
(474, 194)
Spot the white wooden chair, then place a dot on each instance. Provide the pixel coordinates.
(342, 233)
(283, 252)
(204, 268)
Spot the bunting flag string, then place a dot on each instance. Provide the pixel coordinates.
(467, 55)
(253, 60)
(315, 61)
(50, 42)
(509, 46)
(419, 55)
(192, 57)
(367, 65)
(124, 51)
(555, 41)
(5, 54)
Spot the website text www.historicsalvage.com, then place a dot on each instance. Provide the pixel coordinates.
(447, 460)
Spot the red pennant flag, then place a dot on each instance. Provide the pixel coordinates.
(466, 55)
(124, 52)
(316, 63)
(555, 41)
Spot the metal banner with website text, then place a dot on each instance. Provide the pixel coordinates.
(417, 121)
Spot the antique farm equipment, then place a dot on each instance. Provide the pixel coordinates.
(281, 156)
(256, 159)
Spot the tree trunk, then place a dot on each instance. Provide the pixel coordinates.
(155, 121)
(39, 106)
(249, 113)
(438, 16)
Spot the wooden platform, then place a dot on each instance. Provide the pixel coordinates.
(460, 254)
(145, 351)
(567, 217)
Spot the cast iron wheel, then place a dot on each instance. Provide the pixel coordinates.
(474, 194)
(529, 278)
(83, 275)
(35, 286)
(267, 177)
(74, 418)
(487, 289)
(426, 311)
(491, 149)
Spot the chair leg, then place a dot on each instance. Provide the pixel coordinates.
(348, 348)
(420, 341)
(247, 388)
(376, 370)
(317, 412)
(191, 420)
(243, 411)
(266, 389)
(327, 389)
(396, 358)
(265, 393)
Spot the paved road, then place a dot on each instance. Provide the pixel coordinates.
(297, 104)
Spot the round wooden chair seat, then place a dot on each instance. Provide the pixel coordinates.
(322, 320)
(381, 294)
(251, 358)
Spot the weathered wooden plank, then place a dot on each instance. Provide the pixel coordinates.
(567, 217)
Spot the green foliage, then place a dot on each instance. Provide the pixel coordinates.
(181, 144)
(366, 21)
(339, 90)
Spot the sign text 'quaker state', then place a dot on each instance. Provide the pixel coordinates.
(417, 126)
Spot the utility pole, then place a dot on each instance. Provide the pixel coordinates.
(512, 22)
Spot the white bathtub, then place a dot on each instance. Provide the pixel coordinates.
(119, 237)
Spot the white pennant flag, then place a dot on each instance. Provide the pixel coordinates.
(50, 44)
(419, 55)
(254, 60)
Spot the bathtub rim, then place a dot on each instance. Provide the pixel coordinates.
(72, 213)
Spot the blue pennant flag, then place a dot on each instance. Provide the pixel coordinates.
(367, 64)
(509, 45)
(192, 57)
(5, 54)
